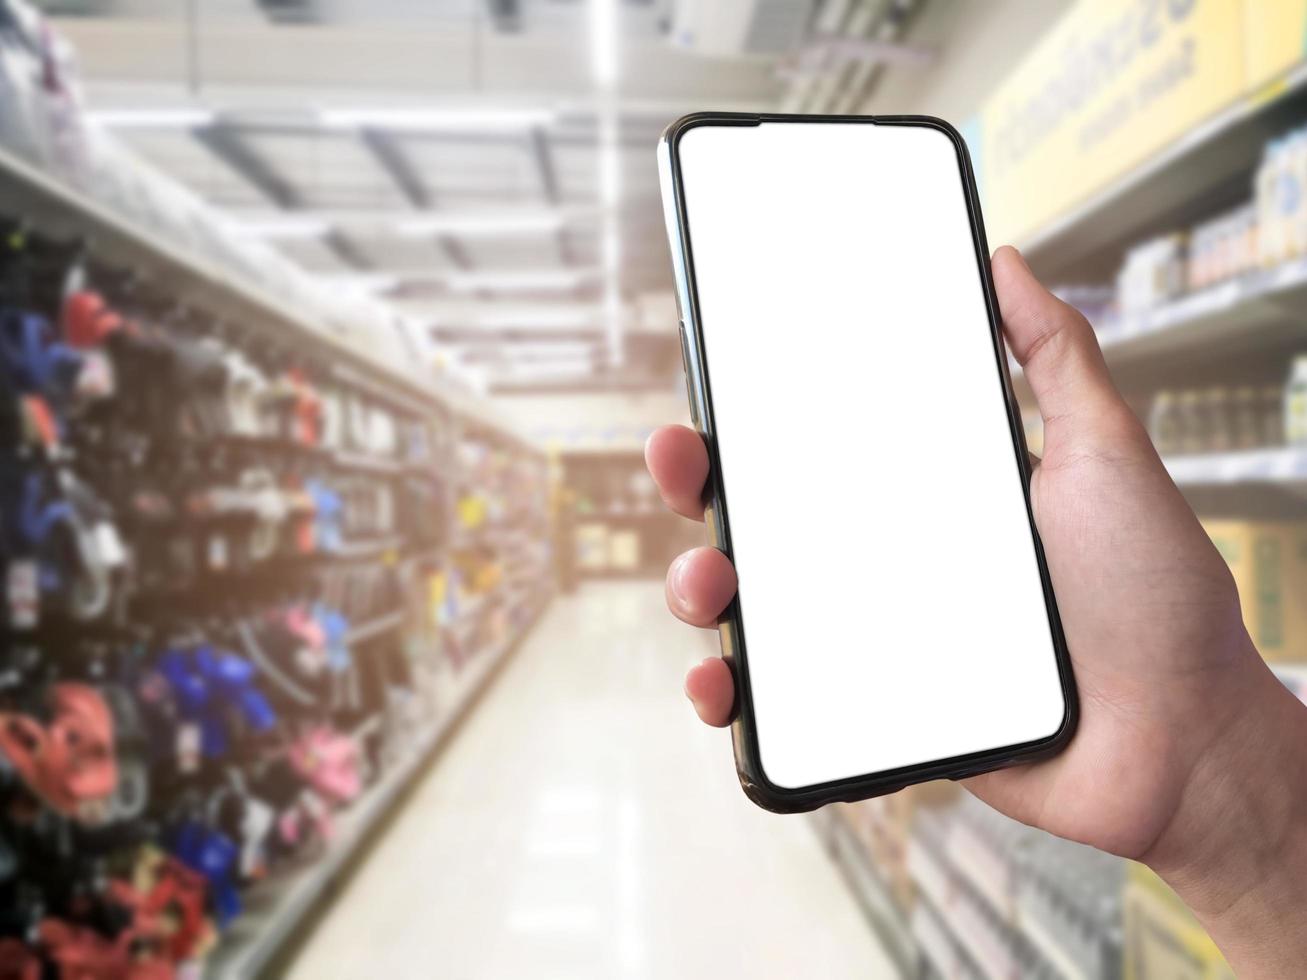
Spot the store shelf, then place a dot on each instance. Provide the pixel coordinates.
(279, 905)
(1051, 951)
(368, 548)
(1274, 466)
(865, 880)
(366, 463)
(62, 211)
(935, 883)
(374, 628)
(965, 863)
(1264, 307)
(1201, 164)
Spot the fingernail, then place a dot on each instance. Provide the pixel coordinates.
(677, 583)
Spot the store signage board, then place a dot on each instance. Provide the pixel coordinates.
(1112, 83)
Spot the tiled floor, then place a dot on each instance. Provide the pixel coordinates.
(583, 824)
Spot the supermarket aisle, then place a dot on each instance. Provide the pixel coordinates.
(582, 824)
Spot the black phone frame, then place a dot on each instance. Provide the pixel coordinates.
(744, 736)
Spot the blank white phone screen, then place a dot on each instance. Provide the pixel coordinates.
(889, 588)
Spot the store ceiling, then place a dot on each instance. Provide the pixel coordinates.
(459, 158)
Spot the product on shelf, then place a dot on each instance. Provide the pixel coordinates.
(1269, 564)
(1280, 198)
(1295, 402)
(1162, 937)
(211, 552)
(1014, 901)
(1220, 418)
(1153, 273)
(1223, 247)
(1097, 302)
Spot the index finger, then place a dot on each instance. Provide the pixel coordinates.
(678, 462)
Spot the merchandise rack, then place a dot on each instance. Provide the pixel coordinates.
(276, 906)
(1265, 308)
(870, 888)
(1195, 172)
(62, 212)
(1252, 320)
(283, 903)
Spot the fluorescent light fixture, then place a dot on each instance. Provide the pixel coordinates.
(542, 318)
(542, 370)
(164, 118)
(493, 351)
(610, 170)
(436, 120)
(364, 283)
(603, 42)
(288, 227)
(488, 224)
(531, 280)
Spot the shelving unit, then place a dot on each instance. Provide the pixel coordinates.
(1200, 171)
(865, 880)
(278, 904)
(277, 908)
(1286, 466)
(1264, 308)
(1238, 333)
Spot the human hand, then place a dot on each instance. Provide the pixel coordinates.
(1188, 749)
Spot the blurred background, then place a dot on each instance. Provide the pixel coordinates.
(330, 334)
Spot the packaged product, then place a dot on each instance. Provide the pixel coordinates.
(1269, 563)
(1162, 938)
(1295, 402)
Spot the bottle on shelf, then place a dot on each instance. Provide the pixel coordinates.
(1245, 425)
(1163, 423)
(1295, 402)
(1189, 423)
(1272, 412)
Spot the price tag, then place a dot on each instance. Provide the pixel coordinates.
(217, 552)
(112, 550)
(24, 592)
(188, 747)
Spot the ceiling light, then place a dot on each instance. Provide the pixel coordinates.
(545, 318)
(288, 227)
(480, 224)
(436, 120)
(540, 370)
(603, 41)
(535, 280)
(484, 351)
(178, 118)
(379, 282)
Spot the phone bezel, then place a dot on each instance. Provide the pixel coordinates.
(753, 778)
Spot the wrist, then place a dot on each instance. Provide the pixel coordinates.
(1236, 849)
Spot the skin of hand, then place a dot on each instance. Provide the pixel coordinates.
(1190, 755)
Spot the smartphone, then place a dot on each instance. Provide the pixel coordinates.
(894, 622)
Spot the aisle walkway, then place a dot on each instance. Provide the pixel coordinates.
(583, 824)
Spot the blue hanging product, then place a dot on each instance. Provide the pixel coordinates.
(328, 507)
(335, 627)
(194, 696)
(233, 678)
(34, 361)
(36, 520)
(214, 855)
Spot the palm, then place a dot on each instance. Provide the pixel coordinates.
(1143, 594)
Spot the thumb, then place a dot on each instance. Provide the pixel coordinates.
(1054, 344)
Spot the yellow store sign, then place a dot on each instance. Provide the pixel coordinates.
(1275, 32)
(1114, 82)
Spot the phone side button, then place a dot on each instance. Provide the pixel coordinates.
(690, 391)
